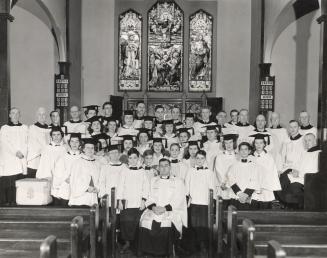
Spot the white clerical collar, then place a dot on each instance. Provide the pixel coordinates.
(164, 177)
(87, 158)
(74, 152)
(56, 144)
(229, 152)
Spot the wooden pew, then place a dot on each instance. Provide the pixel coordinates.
(48, 248)
(76, 237)
(22, 229)
(113, 222)
(248, 230)
(275, 250)
(210, 223)
(94, 230)
(297, 239)
(105, 225)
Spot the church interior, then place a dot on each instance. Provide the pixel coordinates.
(265, 60)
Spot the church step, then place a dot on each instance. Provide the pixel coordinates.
(288, 228)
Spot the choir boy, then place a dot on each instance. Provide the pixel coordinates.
(84, 180)
(292, 181)
(159, 112)
(75, 124)
(178, 168)
(212, 146)
(111, 172)
(13, 140)
(223, 162)
(127, 128)
(148, 164)
(139, 115)
(244, 179)
(38, 138)
(60, 189)
(233, 117)
(199, 181)
(243, 128)
(270, 178)
(162, 223)
(51, 154)
(55, 119)
(132, 193)
(306, 127)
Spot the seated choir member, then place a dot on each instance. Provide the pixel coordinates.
(205, 119)
(132, 192)
(107, 113)
(221, 118)
(75, 124)
(199, 181)
(51, 153)
(260, 127)
(269, 173)
(223, 162)
(111, 172)
(150, 170)
(178, 168)
(13, 141)
(293, 148)
(127, 144)
(233, 117)
(90, 111)
(166, 214)
(95, 126)
(189, 158)
(60, 189)
(112, 128)
(176, 117)
(38, 138)
(212, 146)
(159, 150)
(243, 128)
(280, 136)
(169, 132)
(127, 128)
(159, 112)
(292, 181)
(305, 126)
(189, 125)
(139, 115)
(183, 138)
(148, 124)
(244, 178)
(101, 148)
(143, 140)
(84, 179)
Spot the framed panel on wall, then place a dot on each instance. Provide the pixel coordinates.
(200, 52)
(130, 51)
(165, 47)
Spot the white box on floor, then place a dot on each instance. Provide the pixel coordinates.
(32, 191)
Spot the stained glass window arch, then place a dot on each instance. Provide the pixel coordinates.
(130, 51)
(165, 47)
(200, 52)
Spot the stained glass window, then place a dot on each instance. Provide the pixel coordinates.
(200, 55)
(165, 47)
(130, 51)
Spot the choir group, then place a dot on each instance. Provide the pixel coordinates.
(162, 166)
